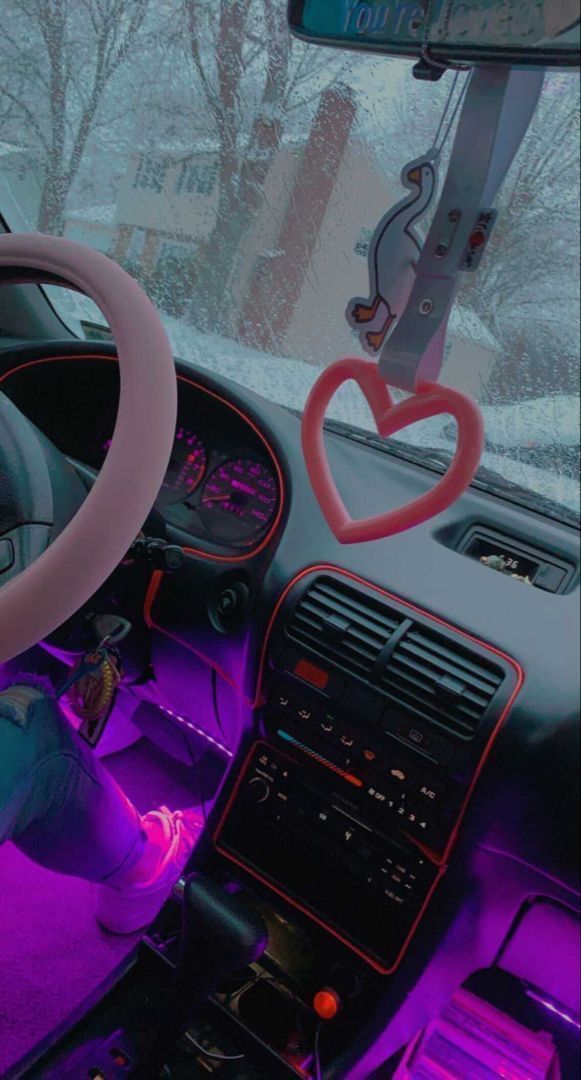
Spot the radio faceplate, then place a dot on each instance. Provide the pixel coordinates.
(287, 824)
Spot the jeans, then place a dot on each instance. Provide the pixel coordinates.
(58, 803)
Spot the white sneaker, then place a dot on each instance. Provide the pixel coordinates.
(124, 909)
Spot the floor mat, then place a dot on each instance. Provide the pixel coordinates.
(52, 952)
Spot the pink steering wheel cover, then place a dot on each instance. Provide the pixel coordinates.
(78, 562)
(431, 399)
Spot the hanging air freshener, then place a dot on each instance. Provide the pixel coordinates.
(393, 251)
(412, 288)
(395, 246)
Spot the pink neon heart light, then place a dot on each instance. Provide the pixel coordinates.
(431, 399)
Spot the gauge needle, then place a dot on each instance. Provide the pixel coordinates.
(216, 498)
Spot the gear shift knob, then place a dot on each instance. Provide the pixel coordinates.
(220, 936)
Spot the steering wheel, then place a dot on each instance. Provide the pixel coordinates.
(54, 582)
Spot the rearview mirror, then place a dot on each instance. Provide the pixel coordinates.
(533, 33)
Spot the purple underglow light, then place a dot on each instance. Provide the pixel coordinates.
(198, 730)
(70, 658)
(551, 1007)
(72, 716)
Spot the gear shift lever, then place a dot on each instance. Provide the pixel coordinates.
(220, 936)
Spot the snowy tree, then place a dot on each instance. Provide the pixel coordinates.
(527, 290)
(58, 60)
(251, 80)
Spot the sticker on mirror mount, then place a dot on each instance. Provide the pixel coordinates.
(478, 239)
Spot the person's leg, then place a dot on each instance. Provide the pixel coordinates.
(62, 808)
(58, 803)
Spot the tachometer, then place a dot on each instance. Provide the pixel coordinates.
(186, 468)
(239, 499)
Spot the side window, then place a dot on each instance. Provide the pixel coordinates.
(196, 179)
(363, 241)
(136, 245)
(150, 174)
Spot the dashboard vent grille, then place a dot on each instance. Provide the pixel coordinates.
(343, 625)
(440, 682)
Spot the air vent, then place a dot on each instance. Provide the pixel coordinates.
(429, 676)
(343, 625)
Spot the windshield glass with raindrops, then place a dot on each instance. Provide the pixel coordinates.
(239, 175)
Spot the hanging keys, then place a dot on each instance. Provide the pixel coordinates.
(91, 686)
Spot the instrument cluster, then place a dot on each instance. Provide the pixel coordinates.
(216, 490)
(223, 484)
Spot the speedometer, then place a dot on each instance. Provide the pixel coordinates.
(186, 468)
(239, 499)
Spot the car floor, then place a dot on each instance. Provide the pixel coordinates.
(52, 952)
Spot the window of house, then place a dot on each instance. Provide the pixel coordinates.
(150, 174)
(177, 251)
(363, 241)
(136, 245)
(196, 179)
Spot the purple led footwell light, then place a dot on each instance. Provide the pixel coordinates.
(69, 659)
(198, 730)
(553, 1008)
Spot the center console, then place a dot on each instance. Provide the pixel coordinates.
(377, 720)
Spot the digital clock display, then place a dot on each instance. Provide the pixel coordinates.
(497, 557)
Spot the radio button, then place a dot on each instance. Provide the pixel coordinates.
(429, 791)
(395, 897)
(258, 789)
(280, 697)
(414, 734)
(419, 824)
(377, 795)
(304, 712)
(327, 726)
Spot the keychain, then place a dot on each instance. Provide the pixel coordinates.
(91, 687)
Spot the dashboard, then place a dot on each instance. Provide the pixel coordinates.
(399, 719)
(223, 485)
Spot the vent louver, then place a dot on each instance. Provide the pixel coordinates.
(439, 682)
(343, 625)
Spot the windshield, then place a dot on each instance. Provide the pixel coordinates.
(239, 175)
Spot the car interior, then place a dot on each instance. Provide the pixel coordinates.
(377, 716)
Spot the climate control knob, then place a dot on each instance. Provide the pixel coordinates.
(258, 789)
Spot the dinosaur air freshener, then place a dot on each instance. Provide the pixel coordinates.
(395, 247)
